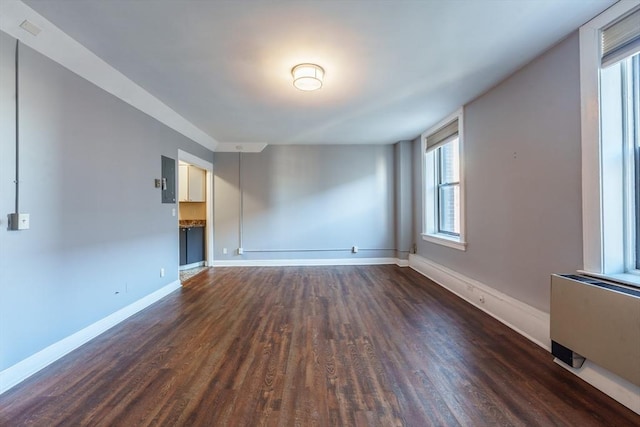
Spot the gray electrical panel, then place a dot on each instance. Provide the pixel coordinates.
(168, 180)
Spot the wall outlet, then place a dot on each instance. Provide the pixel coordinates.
(240, 251)
(162, 272)
(173, 212)
(354, 249)
(224, 251)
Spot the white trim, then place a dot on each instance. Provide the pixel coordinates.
(592, 229)
(463, 186)
(194, 160)
(522, 318)
(441, 240)
(55, 44)
(34, 363)
(590, 129)
(309, 262)
(626, 393)
(528, 321)
(192, 265)
(209, 231)
(402, 262)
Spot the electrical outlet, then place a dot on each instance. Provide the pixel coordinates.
(173, 212)
(224, 251)
(240, 251)
(354, 249)
(162, 272)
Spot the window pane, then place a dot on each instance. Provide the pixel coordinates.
(449, 162)
(449, 212)
(637, 211)
(634, 130)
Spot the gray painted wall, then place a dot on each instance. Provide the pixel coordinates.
(300, 202)
(99, 234)
(523, 180)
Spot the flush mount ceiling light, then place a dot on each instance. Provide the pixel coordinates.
(307, 77)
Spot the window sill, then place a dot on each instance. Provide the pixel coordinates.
(622, 278)
(443, 240)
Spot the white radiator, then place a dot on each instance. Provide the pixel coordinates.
(596, 320)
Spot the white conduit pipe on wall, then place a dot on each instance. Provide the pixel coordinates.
(240, 242)
(17, 180)
(318, 250)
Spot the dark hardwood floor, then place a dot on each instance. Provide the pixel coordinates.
(324, 346)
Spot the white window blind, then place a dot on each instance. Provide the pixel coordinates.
(621, 39)
(443, 135)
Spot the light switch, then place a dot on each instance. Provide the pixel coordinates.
(18, 221)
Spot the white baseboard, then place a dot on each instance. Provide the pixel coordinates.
(193, 265)
(610, 384)
(32, 364)
(521, 317)
(402, 262)
(309, 262)
(527, 321)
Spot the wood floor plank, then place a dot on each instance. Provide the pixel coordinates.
(324, 346)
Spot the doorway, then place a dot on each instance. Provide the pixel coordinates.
(195, 207)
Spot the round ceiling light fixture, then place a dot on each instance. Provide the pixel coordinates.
(307, 77)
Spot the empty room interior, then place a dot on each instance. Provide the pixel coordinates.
(306, 212)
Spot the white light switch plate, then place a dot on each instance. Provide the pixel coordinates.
(18, 221)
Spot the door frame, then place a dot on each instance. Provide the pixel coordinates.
(208, 232)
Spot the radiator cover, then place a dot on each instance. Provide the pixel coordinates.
(598, 320)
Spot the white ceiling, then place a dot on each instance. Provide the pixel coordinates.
(393, 68)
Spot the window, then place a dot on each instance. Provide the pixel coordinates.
(631, 95)
(610, 89)
(633, 131)
(448, 183)
(443, 183)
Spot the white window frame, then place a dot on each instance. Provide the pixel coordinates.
(429, 188)
(603, 252)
